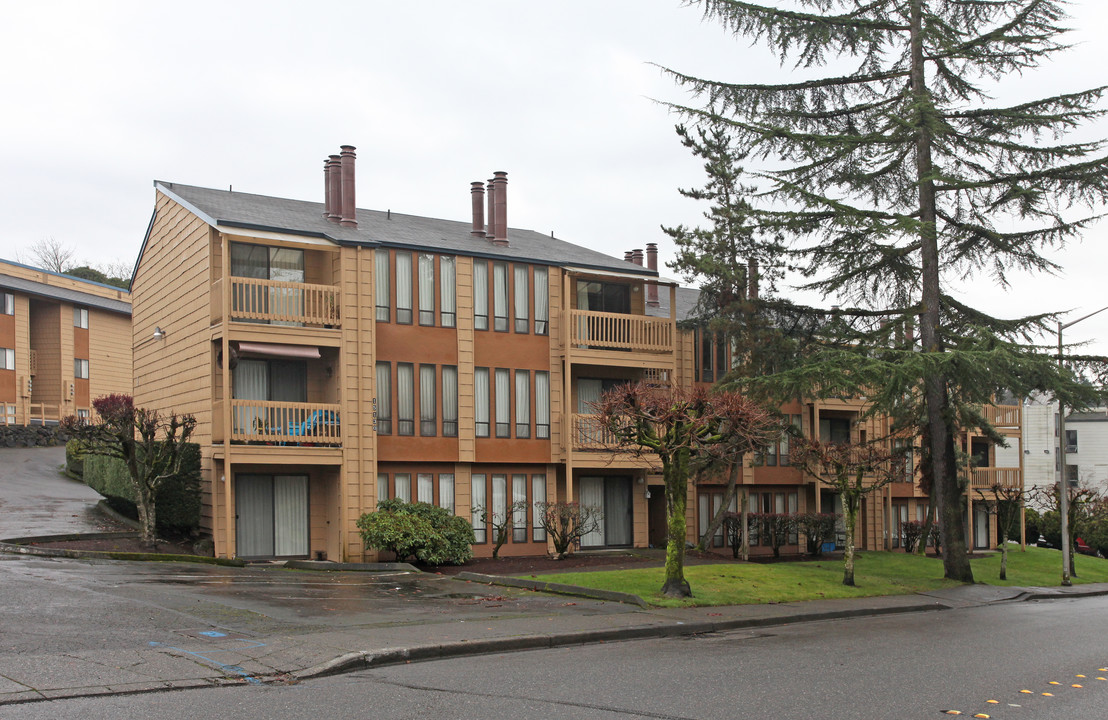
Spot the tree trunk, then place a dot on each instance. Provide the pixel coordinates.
(850, 517)
(945, 483)
(728, 495)
(744, 512)
(928, 523)
(675, 472)
(146, 515)
(1004, 559)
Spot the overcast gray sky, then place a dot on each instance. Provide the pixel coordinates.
(104, 97)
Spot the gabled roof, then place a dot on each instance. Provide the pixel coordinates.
(229, 210)
(17, 276)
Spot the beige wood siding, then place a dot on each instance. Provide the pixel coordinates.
(109, 353)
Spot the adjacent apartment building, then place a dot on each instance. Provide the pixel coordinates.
(64, 341)
(336, 356)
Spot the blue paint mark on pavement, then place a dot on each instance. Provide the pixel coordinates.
(235, 669)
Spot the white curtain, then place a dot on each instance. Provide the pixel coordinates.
(446, 491)
(382, 486)
(503, 402)
(250, 381)
(542, 404)
(519, 503)
(592, 495)
(500, 296)
(538, 496)
(447, 299)
(449, 400)
(381, 283)
(290, 512)
(542, 300)
(588, 393)
(523, 404)
(254, 511)
(617, 511)
(405, 399)
(481, 401)
(404, 487)
(427, 418)
(425, 488)
(500, 496)
(403, 287)
(426, 289)
(522, 298)
(384, 397)
(477, 488)
(480, 295)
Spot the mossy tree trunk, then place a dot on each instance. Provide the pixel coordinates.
(676, 474)
(850, 519)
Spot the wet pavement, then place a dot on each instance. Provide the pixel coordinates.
(75, 627)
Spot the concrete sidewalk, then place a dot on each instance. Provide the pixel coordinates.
(515, 620)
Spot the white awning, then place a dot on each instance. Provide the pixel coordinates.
(275, 350)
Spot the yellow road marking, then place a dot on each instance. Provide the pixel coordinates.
(1076, 685)
(1049, 694)
(981, 715)
(993, 702)
(1027, 692)
(1054, 682)
(1079, 676)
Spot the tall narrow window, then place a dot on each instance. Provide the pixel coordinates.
(522, 297)
(448, 304)
(538, 501)
(519, 508)
(405, 399)
(500, 498)
(478, 508)
(426, 289)
(446, 492)
(503, 403)
(425, 488)
(80, 369)
(382, 486)
(403, 486)
(523, 404)
(542, 404)
(384, 399)
(705, 363)
(427, 420)
(542, 301)
(449, 401)
(381, 281)
(404, 287)
(481, 401)
(80, 317)
(721, 356)
(500, 296)
(7, 303)
(480, 295)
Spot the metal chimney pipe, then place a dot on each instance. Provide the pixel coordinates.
(652, 264)
(627, 255)
(334, 189)
(490, 231)
(349, 208)
(500, 181)
(477, 195)
(636, 256)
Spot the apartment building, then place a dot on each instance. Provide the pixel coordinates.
(770, 484)
(1086, 445)
(335, 356)
(64, 341)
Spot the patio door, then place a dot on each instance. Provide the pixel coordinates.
(613, 496)
(271, 517)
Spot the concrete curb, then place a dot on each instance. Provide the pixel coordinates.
(350, 567)
(364, 660)
(557, 588)
(23, 546)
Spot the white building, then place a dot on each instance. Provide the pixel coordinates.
(1086, 446)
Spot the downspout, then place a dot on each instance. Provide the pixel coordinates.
(228, 476)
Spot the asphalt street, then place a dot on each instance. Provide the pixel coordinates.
(36, 499)
(1011, 660)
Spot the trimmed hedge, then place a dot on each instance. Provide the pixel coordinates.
(177, 503)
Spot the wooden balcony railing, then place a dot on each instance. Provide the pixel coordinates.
(274, 301)
(588, 434)
(617, 331)
(285, 423)
(985, 478)
(1003, 416)
(41, 413)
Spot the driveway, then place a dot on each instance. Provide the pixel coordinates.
(37, 499)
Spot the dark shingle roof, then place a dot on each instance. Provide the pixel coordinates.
(33, 287)
(686, 303)
(260, 212)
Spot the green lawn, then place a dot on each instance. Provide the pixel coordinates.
(876, 573)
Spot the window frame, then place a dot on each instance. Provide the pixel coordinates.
(7, 303)
(482, 406)
(80, 317)
(542, 324)
(81, 369)
(502, 402)
(7, 358)
(428, 400)
(523, 404)
(500, 300)
(480, 295)
(383, 400)
(542, 419)
(521, 291)
(449, 411)
(405, 389)
(425, 267)
(404, 292)
(383, 288)
(448, 291)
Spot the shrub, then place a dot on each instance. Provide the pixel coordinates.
(912, 531)
(177, 498)
(818, 528)
(733, 528)
(567, 523)
(74, 458)
(1033, 524)
(426, 532)
(774, 528)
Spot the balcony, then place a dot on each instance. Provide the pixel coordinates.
(278, 302)
(985, 478)
(621, 339)
(279, 423)
(1003, 416)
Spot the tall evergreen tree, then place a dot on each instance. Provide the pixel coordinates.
(899, 176)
